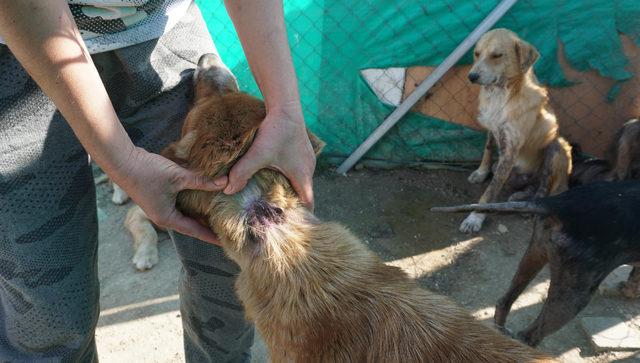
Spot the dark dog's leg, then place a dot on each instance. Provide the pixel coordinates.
(571, 288)
(631, 287)
(531, 263)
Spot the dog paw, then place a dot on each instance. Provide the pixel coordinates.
(145, 258)
(473, 223)
(119, 196)
(478, 176)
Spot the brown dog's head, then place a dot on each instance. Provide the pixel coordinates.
(499, 56)
(221, 123)
(217, 131)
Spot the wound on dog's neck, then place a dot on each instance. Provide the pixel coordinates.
(264, 213)
(260, 215)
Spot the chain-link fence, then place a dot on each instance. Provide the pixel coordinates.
(357, 60)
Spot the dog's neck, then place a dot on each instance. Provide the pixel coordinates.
(265, 217)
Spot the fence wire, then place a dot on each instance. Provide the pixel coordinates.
(357, 60)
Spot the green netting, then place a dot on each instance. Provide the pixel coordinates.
(332, 41)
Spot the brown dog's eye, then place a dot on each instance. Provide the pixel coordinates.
(496, 55)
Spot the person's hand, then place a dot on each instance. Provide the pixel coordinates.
(153, 182)
(281, 144)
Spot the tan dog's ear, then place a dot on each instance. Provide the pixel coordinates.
(316, 143)
(213, 77)
(526, 54)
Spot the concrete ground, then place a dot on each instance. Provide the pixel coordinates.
(140, 319)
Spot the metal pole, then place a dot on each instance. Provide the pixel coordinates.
(406, 105)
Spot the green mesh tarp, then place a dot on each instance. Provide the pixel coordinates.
(332, 41)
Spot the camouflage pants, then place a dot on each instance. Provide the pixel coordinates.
(48, 227)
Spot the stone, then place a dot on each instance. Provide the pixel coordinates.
(611, 285)
(610, 333)
(502, 229)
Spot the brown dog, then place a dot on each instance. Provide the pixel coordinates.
(624, 152)
(622, 159)
(314, 291)
(513, 108)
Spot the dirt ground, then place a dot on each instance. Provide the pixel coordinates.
(389, 209)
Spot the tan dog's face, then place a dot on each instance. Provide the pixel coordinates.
(499, 56)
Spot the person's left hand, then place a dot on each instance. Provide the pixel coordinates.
(281, 144)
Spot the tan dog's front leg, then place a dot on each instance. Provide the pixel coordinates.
(480, 174)
(473, 223)
(145, 239)
(119, 196)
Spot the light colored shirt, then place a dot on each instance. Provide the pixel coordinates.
(112, 24)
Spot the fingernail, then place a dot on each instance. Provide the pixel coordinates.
(228, 190)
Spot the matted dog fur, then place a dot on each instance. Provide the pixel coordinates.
(314, 291)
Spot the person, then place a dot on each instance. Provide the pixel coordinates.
(111, 79)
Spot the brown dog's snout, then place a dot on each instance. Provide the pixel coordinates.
(473, 77)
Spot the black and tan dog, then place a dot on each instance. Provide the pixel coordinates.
(583, 234)
(513, 107)
(621, 162)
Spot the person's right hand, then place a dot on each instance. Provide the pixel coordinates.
(153, 182)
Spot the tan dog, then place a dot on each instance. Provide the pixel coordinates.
(314, 291)
(513, 108)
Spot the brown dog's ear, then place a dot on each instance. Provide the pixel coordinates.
(213, 77)
(316, 143)
(526, 54)
(178, 151)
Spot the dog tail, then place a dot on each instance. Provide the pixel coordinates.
(508, 207)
